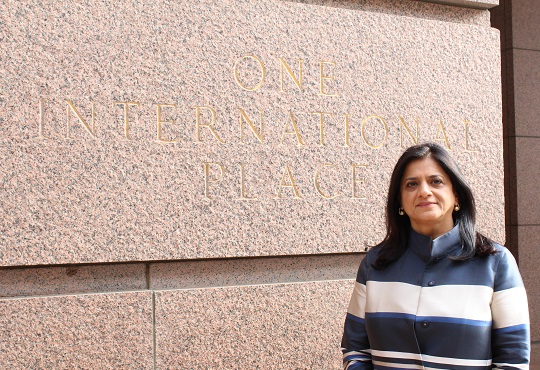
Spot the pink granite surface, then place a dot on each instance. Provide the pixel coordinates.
(526, 89)
(15, 282)
(527, 170)
(97, 195)
(265, 326)
(529, 260)
(535, 356)
(525, 25)
(99, 331)
(241, 271)
(480, 4)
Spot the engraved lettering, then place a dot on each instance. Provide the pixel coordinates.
(404, 125)
(294, 132)
(347, 145)
(207, 125)
(160, 123)
(440, 128)
(243, 194)
(258, 134)
(285, 66)
(82, 122)
(324, 77)
(355, 180)
(208, 180)
(321, 127)
(467, 149)
(378, 119)
(237, 77)
(291, 184)
(126, 105)
(316, 181)
(40, 124)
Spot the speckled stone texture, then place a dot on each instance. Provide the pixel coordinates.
(73, 279)
(481, 4)
(535, 358)
(99, 331)
(290, 326)
(82, 193)
(201, 274)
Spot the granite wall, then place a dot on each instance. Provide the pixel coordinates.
(192, 185)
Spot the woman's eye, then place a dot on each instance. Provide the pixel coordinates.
(411, 184)
(437, 181)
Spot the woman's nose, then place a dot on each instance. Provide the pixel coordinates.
(424, 190)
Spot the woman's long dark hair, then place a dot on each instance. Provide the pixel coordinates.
(398, 227)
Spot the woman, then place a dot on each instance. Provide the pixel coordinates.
(435, 294)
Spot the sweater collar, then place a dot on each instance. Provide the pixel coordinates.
(430, 249)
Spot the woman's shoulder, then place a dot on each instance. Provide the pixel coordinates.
(370, 257)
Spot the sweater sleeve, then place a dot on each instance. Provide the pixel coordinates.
(355, 341)
(511, 328)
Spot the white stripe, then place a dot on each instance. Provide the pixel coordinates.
(357, 304)
(364, 352)
(405, 366)
(456, 361)
(500, 365)
(460, 301)
(399, 366)
(392, 297)
(463, 301)
(510, 308)
(402, 355)
(436, 359)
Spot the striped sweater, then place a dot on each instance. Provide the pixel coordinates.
(425, 311)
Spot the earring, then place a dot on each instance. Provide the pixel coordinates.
(401, 211)
(457, 207)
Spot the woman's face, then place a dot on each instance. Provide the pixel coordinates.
(427, 197)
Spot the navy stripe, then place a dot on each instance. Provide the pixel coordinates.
(356, 357)
(352, 317)
(390, 315)
(396, 360)
(437, 365)
(509, 329)
(454, 320)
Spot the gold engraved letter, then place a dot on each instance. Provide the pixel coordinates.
(126, 115)
(160, 122)
(316, 181)
(243, 195)
(380, 119)
(324, 77)
(361, 180)
(467, 149)
(207, 125)
(297, 81)
(440, 128)
(347, 145)
(414, 138)
(244, 117)
(237, 77)
(294, 132)
(283, 184)
(321, 127)
(71, 107)
(207, 179)
(40, 124)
